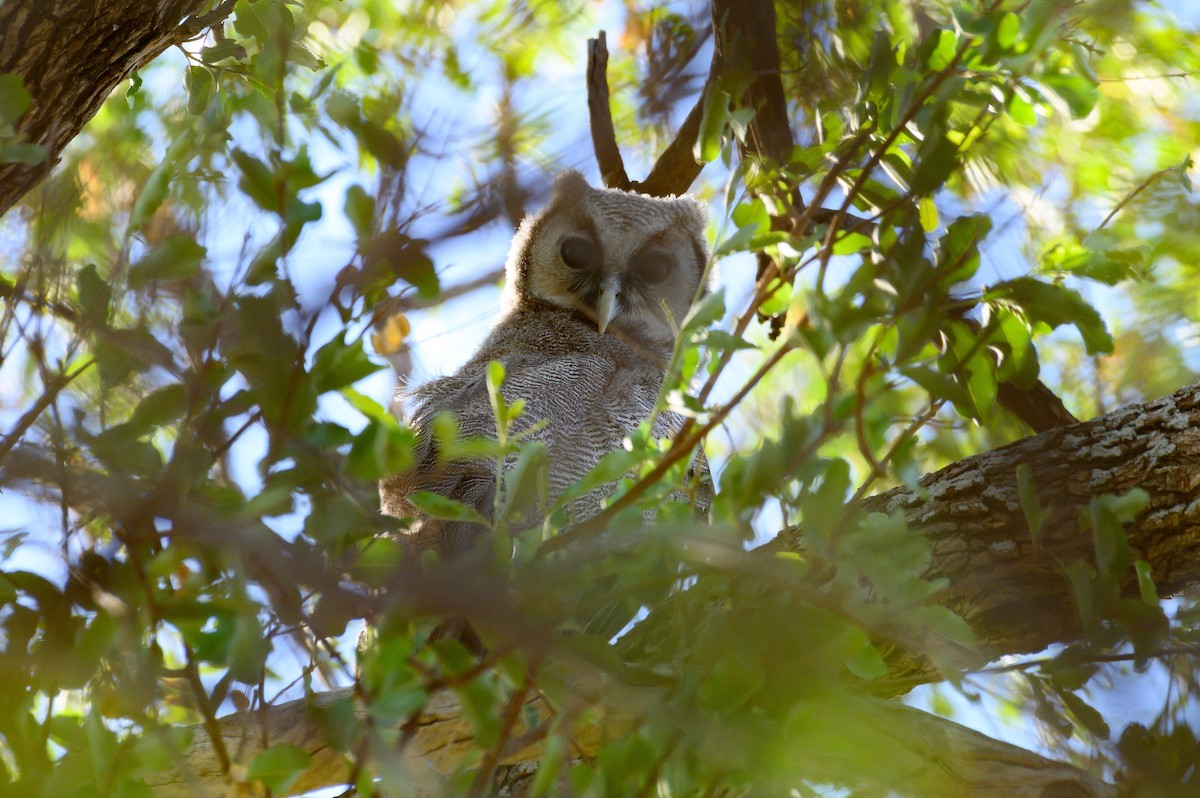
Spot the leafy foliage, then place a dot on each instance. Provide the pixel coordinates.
(193, 432)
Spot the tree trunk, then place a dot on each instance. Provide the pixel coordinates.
(71, 54)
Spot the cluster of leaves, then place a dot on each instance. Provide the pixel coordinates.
(201, 453)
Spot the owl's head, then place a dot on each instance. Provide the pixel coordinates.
(630, 262)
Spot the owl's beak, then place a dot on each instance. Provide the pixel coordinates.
(606, 306)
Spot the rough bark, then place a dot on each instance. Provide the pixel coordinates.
(71, 54)
(1014, 594)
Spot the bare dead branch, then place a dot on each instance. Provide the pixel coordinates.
(604, 135)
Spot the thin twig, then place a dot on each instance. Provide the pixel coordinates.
(512, 713)
(192, 27)
(1160, 76)
(1145, 184)
(47, 398)
(402, 304)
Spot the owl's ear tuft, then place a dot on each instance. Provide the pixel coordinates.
(693, 213)
(570, 183)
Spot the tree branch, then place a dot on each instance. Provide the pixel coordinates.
(71, 55)
(1015, 594)
(604, 135)
(935, 755)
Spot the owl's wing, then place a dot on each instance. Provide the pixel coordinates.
(470, 482)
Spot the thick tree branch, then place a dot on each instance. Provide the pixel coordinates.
(676, 168)
(745, 36)
(935, 755)
(1015, 594)
(71, 54)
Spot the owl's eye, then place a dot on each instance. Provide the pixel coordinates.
(652, 265)
(579, 252)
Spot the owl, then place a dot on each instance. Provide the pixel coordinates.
(597, 284)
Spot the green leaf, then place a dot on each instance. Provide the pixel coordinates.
(15, 99)
(226, 48)
(1011, 335)
(378, 561)
(1108, 516)
(867, 663)
(391, 254)
(712, 125)
(777, 300)
(1079, 93)
(1145, 578)
(1035, 514)
(392, 707)
(822, 508)
(382, 448)
(160, 407)
(981, 381)
(248, 648)
(851, 244)
(705, 313)
(936, 161)
(928, 212)
(1008, 30)
(337, 365)
(1082, 577)
(278, 767)
(525, 482)
(135, 86)
(151, 197)
(1109, 540)
(721, 341)
(1055, 305)
(958, 249)
(946, 623)
(360, 210)
(436, 505)
(1086, 714)
(494, 380)
(939, 385)
(122, 352)
(1021, 111)
(944, 45)
(298, 214)
(198, 83)
(95, 296)
(176, 258)
(258, 181)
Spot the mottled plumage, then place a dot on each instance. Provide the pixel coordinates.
(597, 284)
